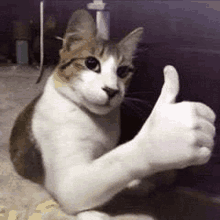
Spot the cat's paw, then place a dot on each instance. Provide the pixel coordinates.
(93, 215)
(176, 135)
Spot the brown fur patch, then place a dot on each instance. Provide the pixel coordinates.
(25, 156)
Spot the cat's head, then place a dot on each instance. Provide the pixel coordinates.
(92, 72)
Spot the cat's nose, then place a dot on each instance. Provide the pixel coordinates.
(110, 92)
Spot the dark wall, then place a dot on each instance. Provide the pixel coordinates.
(165, 19)
(161, 19)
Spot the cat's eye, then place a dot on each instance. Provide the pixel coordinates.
(123, 71)
(93, 64)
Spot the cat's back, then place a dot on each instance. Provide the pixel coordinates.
(24, 153)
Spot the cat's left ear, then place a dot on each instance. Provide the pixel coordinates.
(128, 44)
(81, 26)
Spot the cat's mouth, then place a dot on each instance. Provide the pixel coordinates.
(99, 103)
(99, 109)
(107, 104)
(101, 106)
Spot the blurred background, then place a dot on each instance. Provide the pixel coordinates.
(192, 22)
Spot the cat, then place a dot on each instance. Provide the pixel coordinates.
(83, 95)
(66, 138)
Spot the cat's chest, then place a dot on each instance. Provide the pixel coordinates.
(73, 133)
(97, 134)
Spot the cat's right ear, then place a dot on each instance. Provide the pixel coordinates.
(81, 26)
(128, 44)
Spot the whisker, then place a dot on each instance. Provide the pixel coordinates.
(139, 100)
(140, 112)
(139, 93)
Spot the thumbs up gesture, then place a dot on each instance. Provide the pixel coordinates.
(176, 135)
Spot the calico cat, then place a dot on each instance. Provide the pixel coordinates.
(77, 117)
(66, 138)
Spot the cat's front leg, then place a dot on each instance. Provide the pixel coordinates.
(96, 215)
(92, 215)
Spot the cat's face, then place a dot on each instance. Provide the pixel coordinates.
(94, 73)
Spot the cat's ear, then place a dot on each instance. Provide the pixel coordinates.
(128, 44)
(81, 26)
